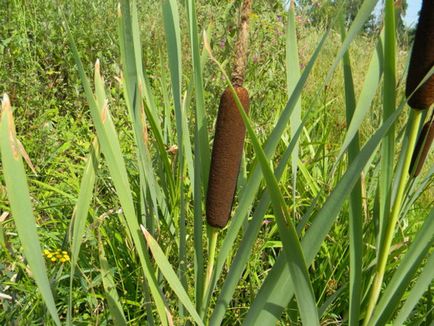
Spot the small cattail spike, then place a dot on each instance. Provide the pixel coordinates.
(422, 60)
(422, 148)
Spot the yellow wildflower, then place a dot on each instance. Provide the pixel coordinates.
(57, 255)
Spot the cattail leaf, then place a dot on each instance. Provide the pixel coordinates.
(355, 201)
(173, 43)
(109, 285)
(21, 207)
(385, 241)
(165, 92)
(273, 297)
(416, 190)
(111, 150)
(131, 58)
(3, 241)
(201, 121)
(81, 210)
(389, 103)
(308, 179)
(201, 150)
(291, 245)
(363, 15)
(170, 182)
(170, 275)
(242, 256)
(406, 132)
(172, 32)
(402, 277)
(186, 136)
(420, 287)
(277, 289)
(328, 302)
(292, 77)
(53, 189)
(136, 87)
(26, 156)
(369, 89)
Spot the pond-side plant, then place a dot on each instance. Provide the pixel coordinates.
(227, 146)
(294, 251)
(420, 97)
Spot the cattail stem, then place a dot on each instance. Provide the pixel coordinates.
(227, 151)
(415, 117)
(241, 47)
(212, 245)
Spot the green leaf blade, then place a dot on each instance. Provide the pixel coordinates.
(170, 275)
(21, 207)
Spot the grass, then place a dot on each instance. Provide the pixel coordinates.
(130, 147)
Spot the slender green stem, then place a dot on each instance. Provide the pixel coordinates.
(212, 244)
(415, 117)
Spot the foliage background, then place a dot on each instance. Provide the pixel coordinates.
(53, 123)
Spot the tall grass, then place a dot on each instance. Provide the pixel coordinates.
(301, 246)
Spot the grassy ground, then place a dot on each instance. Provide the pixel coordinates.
(53, 123)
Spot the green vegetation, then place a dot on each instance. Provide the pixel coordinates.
(105, 141)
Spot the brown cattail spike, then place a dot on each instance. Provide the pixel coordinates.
(229, 134)
(422, 148)
(226, 157)
(422, 60)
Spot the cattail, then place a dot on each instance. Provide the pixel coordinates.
(422, 59)
(229, 135)
(422, 148)
(226, 157)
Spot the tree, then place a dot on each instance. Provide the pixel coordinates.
(323, 12)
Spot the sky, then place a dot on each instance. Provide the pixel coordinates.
(411, 16)
(412, 12)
